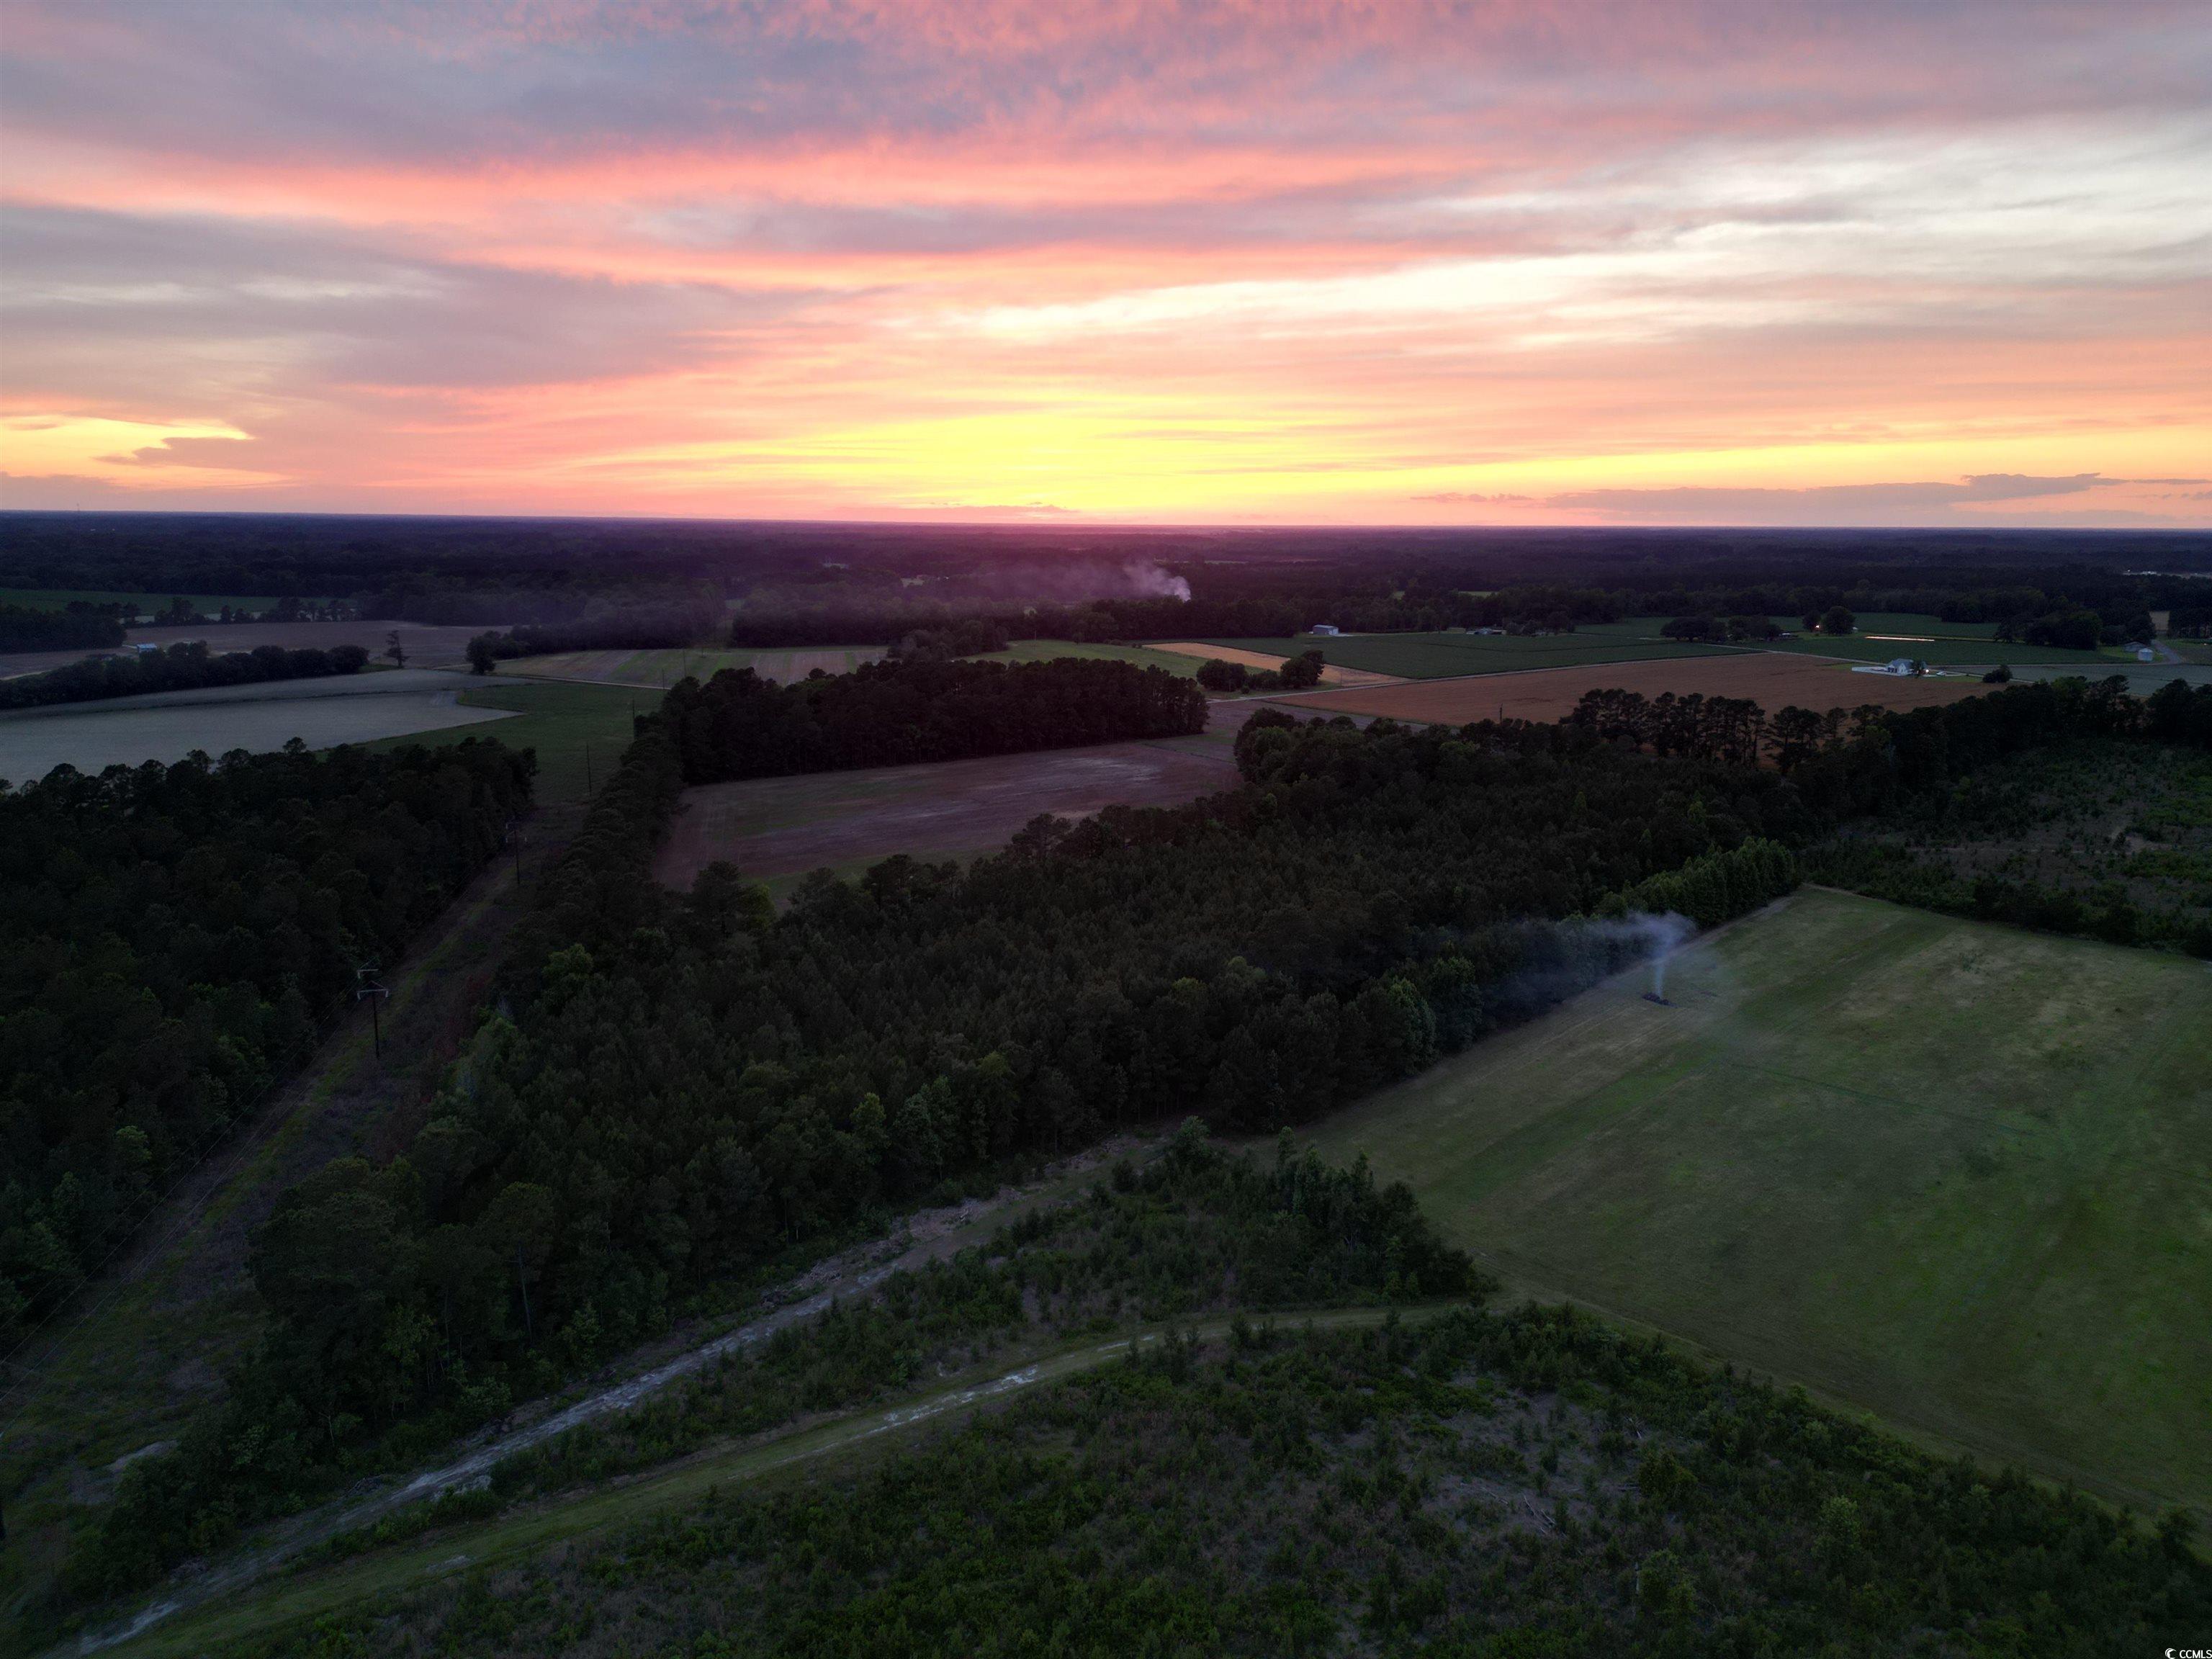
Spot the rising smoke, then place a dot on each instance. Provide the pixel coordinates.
(1650, 938)
(1558, 960)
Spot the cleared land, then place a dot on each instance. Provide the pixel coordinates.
(578, 731)
(846, 821)
(1194, 652)
(1771, 679)
(1443, 656)
(1952, 1172)
(167, 726)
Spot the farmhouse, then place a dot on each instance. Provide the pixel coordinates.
(1903, 668)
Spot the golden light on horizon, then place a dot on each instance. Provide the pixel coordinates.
(1612, 266)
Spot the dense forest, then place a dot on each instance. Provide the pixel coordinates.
(1522, 1484)
(79, 627)
(677, 1088)
(174, 938)
(890, 713)
(817, 583)
(186, 666)
(643, 624)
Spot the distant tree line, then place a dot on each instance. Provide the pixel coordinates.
(185, 666)
(1296, 674)
(739, 724)
(172, 938)
(644, 627)
(972, 636)
(80, 628)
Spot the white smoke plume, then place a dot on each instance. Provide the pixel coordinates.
(1651, 937)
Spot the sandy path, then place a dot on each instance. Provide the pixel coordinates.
(926, 1236)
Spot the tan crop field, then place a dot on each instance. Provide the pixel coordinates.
(1772, 680)
(1331, 675)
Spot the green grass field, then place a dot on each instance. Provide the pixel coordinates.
(1958, 1175)
(1443, 656)
(579, 731)
(1941, 652)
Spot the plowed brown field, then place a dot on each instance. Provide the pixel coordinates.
(1772, 679)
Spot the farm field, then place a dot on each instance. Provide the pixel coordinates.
(579, 731)
(1950, 1172)
(1943, 652)
(1439, 656)
(1192, 653)
(774, 828)
(167, 726)
(658, 670)
(1772, 679)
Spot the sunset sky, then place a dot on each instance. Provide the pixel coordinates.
(1530, 263)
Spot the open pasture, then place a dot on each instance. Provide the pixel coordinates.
(1772, 680)
(1937, 645)
(578, 731)
(1443, 656)
(1955, 1173)
(167, 726)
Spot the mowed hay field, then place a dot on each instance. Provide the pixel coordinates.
(1771, 679)
(1957, 1173)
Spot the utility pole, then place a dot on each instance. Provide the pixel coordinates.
(364, 984)
(588, 771)
(511, 837)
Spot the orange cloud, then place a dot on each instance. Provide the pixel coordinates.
(1394, 262)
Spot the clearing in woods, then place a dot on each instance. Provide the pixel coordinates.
(579, 732)
(1952, 1172)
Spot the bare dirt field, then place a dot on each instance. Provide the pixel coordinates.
(846, 820)
(1772, 680)
(167, 726)
(1331, 675)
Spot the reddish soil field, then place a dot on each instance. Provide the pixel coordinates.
(771, 827)
(1774, 680)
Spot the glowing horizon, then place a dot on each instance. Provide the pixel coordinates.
(1539, 264)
